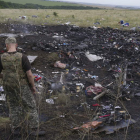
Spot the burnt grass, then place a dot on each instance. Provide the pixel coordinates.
(58, 120)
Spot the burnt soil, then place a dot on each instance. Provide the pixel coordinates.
(56, 127)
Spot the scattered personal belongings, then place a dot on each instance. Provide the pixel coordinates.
(37, 77)
(121, 22)
(60, 65)
(92, 89)
(84, 76)
(125, 24)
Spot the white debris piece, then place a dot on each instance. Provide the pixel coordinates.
(92, 57)
(58, 37)
(67, 23)
(61, 78)
(74, 26)
(50, 101)
(8, 35)
(3, 97)
(31, 58)
(80, 84)
(95, 28)
(98, 85)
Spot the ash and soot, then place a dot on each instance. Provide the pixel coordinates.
(87, 81)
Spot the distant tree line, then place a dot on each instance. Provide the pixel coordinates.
(10, 5)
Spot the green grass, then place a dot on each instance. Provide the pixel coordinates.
(42, 2)
(4, 120)
(82, 18)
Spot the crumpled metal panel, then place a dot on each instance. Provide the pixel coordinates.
(118, 126)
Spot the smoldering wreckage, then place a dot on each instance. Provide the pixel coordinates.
(100, 64)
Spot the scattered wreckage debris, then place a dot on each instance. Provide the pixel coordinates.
(116, 127)
(122, 23)
(23, 17)
(101, 64)
(89, 125)
(98, 127)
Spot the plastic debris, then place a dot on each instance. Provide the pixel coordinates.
(32, 58)
(92, 57)
(50, 101)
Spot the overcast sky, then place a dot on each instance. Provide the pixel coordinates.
(114, 2)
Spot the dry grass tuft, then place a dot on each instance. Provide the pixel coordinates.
(63, 99)
(4, 122)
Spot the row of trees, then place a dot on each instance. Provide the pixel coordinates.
(10, 5)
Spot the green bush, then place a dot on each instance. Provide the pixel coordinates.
(55, 14)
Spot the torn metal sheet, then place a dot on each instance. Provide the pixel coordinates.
(8, 35)
(112, 129)
(31, 58)
(137, 94)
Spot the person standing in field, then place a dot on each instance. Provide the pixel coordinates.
(18, 83)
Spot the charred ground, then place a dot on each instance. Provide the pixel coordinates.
(58, 120)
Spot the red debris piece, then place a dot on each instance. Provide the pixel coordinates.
(37, 79)
(104, 116)
(96, 105)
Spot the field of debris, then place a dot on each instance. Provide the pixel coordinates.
(87, 81)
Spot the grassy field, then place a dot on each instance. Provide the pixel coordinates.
(42, 2)
(76, 17)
